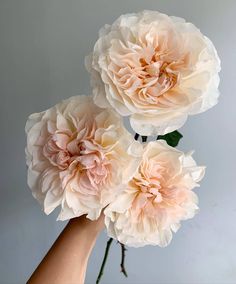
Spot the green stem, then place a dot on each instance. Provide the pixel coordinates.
(136, 136)
(122, 264)
(144, 139)
(104, 260)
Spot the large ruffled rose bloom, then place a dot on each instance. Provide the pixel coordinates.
(154, 68)
(156, 199)
(79, 157)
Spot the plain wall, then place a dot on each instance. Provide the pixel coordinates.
(42, 48)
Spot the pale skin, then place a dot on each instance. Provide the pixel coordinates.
(66, 261)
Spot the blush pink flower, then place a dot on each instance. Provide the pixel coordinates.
(156, 199)
(79, 157)
(154, 68)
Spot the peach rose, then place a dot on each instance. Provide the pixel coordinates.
(154, 68)
(156, 199)
(79, 157)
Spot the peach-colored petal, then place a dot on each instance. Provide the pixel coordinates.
(79, 157)
(154, 68)
(156, 199)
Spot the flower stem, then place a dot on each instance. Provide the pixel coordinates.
(136, 136)
(144, 139)
(104, 260)
(122, 264)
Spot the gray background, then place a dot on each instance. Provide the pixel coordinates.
(42, 49)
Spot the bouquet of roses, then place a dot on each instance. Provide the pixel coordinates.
(156, 70)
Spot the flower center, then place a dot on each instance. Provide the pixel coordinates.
(146, 78)
(148, 185)
(157, 76)
(84, 157)
(151, 189)
(55, 154)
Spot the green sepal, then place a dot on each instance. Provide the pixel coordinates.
(172, 138)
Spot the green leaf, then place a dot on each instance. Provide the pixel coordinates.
(172, 138)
